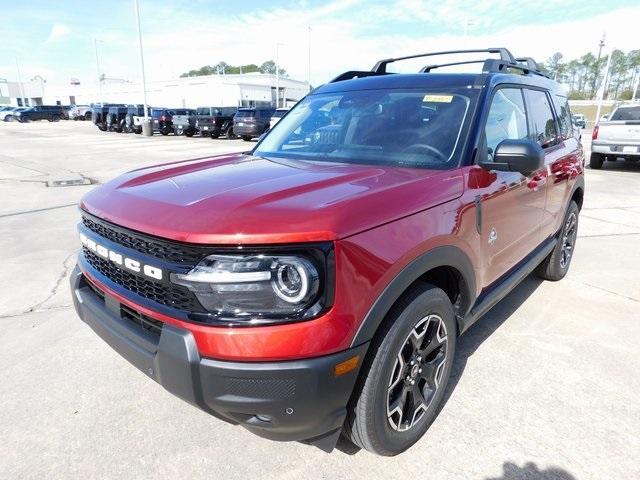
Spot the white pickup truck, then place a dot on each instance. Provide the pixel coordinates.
(619, 136)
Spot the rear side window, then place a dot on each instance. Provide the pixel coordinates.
(564, 116)
(626, 114)
(543, 125)
(507, 119)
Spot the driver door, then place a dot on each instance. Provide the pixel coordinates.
(512, 204)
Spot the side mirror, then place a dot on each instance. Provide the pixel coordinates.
(524, 156)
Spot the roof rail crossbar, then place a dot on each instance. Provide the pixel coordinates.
(529, 62)
(428, 68)
(493, 65)
(505, 55)
(354, 74)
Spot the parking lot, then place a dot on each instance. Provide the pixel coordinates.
(545, 386)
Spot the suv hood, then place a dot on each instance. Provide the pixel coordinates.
(244, 199)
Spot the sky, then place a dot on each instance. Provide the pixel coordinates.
(55, 39)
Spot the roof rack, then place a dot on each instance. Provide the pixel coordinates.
(505, 63)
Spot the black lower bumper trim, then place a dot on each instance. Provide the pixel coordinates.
(299, 400)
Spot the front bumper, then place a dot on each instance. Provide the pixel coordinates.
(616, 148)
(300, 400)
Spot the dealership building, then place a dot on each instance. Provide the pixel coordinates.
(246, 90)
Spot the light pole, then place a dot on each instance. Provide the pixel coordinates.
(278, 74)
(95, 48)
(20, 83)
(603, 87)
(144, 80)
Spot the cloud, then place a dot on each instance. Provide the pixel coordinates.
(58, 31)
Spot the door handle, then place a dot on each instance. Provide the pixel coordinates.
(537, 181)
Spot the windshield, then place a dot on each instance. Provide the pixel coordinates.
(414, 128)
(627, 113)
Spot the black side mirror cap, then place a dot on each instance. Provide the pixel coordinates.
(524, 156)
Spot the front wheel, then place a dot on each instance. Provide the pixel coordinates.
(404, 378)
(230, 134)
(556, 265)
(246, 138)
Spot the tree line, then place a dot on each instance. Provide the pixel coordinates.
(584, 75)
(223, 68)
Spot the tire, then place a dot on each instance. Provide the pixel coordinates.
(557, 264)
(56, 118)
(165, 132)
(246, 138)
(425, 314)
(189, 133)
(215, 135)
(230, 134)
(87, 117)
(8, 118)
(596, 160)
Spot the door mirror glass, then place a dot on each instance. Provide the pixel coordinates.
(524, 156)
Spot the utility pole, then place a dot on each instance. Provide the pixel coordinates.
(21, 86)
(144, 80)
(636, 85)
(95, 47)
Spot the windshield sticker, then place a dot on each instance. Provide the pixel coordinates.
(438, 98)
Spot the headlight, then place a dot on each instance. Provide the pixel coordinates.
(257, 286)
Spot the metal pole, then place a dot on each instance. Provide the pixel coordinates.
(603, 87)
(20, 83)
(95, 47)
(277, 75)
(144, 80)
(636, 85)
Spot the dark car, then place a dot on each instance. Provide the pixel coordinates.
(252, 122)
(184, 122)
(132, 118)
(316, 286)
(116, 118)
(163, 118)
(100, 113)
(216, 121)
(52, 113)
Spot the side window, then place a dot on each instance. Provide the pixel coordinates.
(543, 125)
(507, 119)
(564, 116)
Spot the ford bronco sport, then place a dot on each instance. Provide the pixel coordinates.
(318, 284)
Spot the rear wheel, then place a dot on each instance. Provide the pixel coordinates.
(403, 380)
(87, 116)
(8, 118)
(556, 265)
(215, 135)
(246, 138)
(596, 160)
(189, 133)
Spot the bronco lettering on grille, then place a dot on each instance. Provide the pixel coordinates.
(120, 260)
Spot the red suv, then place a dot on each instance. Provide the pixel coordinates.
(318, 284)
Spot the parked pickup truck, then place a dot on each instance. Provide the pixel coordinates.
(116, 118)
(316, 286)
(80, 112)
(216, 121)
(617, 137)
(99, 114)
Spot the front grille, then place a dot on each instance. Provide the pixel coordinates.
(155, 247)
(175, 296)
